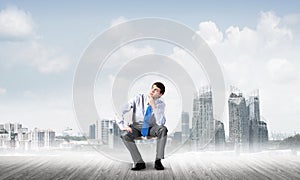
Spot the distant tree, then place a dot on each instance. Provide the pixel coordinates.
(72, 138)
(292, 142)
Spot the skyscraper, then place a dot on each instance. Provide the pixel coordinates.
(98, 130)
(92, 131)
(262, 132)
(110, 133)
(203, 121)
(117, 141)
(220, 135)
(238, 122)
(185, 129)
(106, 127)
(41, 138)
(254, 118)
(49, 138)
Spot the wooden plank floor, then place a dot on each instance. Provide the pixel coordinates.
(192, 165)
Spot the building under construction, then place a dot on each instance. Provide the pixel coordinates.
(238, 121)
(246, 130)
(254, 118)
(203, 122)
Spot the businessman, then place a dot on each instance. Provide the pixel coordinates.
(148, 119)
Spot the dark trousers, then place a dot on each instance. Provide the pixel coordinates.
(155, 131)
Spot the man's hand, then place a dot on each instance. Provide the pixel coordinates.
(152, 102)
(128, 129)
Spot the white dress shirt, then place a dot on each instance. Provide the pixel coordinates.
(139, 106)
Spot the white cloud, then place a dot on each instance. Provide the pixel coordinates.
(16, 24)
(45, 59)
(125, 54)
(264, 58)
(210, 33)
(2, 91)
(241, 39)
(281, 70)
(34, 54)
(271, 30)
(191, 66)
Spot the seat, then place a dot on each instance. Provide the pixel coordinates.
(144, 138)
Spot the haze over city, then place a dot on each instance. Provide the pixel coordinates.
(39, 53)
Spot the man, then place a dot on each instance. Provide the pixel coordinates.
(148, 119)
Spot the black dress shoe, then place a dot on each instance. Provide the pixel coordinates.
(158, 165)
(139, 166)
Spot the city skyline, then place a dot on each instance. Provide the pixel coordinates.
(256, 51)
(190, 123)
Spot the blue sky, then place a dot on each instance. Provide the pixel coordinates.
(37, 65)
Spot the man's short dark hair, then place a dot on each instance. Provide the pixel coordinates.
(161, 86)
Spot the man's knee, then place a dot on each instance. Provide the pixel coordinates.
(126, 136)
(162, 131)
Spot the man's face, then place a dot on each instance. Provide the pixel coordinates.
(155, 92)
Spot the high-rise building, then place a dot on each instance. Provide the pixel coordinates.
(49, 138)
(185, 126)
(23, 138)
(4, 137)
(107, 132)
(41, 139)
(110, 133)
(254, 118)
(177, 137)
(98, 130)
(220, 135)
(117, 141)
(92, 131)
(12, 129)
(203, 121)
(2, 126)
(238, 122)
(263, 134)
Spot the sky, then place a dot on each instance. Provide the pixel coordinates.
(41, 43)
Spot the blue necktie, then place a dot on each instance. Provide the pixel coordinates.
(145, 126)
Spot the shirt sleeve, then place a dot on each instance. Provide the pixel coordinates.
(159, 113)
(127, 107)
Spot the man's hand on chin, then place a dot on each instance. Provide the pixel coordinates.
(152, 102)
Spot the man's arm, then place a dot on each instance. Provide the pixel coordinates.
(126, 108)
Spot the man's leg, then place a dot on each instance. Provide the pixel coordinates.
(161, 133)
(128, 140)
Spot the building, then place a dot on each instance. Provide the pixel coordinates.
(263, 134)
(220, 135)
(49, 138)
(254, 118)
(4, 137)
(185, 127)
(177, 139)
(23, 138)
(117, 141)
(110, 133)
(203, 123)
(238, 122)
(92, 131)
(41, 138)
(106, 128)
(98, 130)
